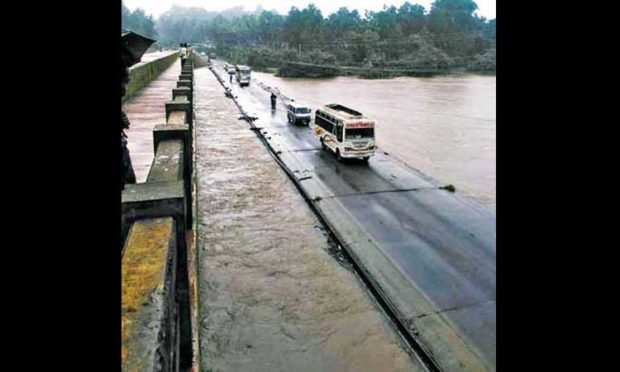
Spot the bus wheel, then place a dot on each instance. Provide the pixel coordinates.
(365, 159)
(323, 145)
(338, 156)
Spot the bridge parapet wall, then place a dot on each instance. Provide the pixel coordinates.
(143, 73)
(156, 218)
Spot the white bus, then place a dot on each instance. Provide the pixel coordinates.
(346, 132)
(243, 75)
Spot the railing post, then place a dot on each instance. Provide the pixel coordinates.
(185, 92)
(184, 83)
(181, 133)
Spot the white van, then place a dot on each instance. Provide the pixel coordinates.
(346, 132)
(243, 74)
(298, 113)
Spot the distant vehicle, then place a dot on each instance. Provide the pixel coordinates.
(212, 55)
(230, 69)
(346, 132)
(243, 74)
(297, 112)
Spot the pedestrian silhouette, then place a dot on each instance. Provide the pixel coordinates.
(273, 101)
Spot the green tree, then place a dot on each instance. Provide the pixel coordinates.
(343, 21)
(269, 25)
(412, 18)
(138, 22)
(304, 27)
(453, 16)
(385, 23)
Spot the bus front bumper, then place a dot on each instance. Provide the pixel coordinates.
(357, 154)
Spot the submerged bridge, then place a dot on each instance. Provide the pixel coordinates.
(249, 248)
(297, 69)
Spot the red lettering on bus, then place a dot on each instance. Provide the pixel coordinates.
(359, 125)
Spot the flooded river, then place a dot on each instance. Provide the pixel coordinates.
(442, 126)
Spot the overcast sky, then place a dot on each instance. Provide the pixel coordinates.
(486, 8)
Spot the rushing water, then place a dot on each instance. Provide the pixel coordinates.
(443, 126)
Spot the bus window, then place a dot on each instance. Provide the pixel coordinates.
(339, 132)
(321, 122)
(357, 133)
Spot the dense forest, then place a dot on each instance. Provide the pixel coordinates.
(395, 41)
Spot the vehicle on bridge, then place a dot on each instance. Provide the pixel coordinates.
(297, 112)
(346, 132)
(243, 74)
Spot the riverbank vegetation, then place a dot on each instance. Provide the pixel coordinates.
(405, 40)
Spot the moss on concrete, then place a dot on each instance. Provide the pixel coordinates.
(143, 270)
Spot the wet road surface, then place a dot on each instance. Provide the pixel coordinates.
(443, 242)
(444, 126)
(271, 296)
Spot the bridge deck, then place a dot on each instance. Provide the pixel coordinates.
(430, 252)
(145, 110)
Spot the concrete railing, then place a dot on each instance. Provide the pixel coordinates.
(143, 73)
(156, 216)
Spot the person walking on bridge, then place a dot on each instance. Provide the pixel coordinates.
(183, 53)
(273, 100)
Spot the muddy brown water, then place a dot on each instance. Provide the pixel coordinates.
(443, 126)
(271, 296)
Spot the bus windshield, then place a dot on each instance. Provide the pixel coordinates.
(302, 110)
(358, 133)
